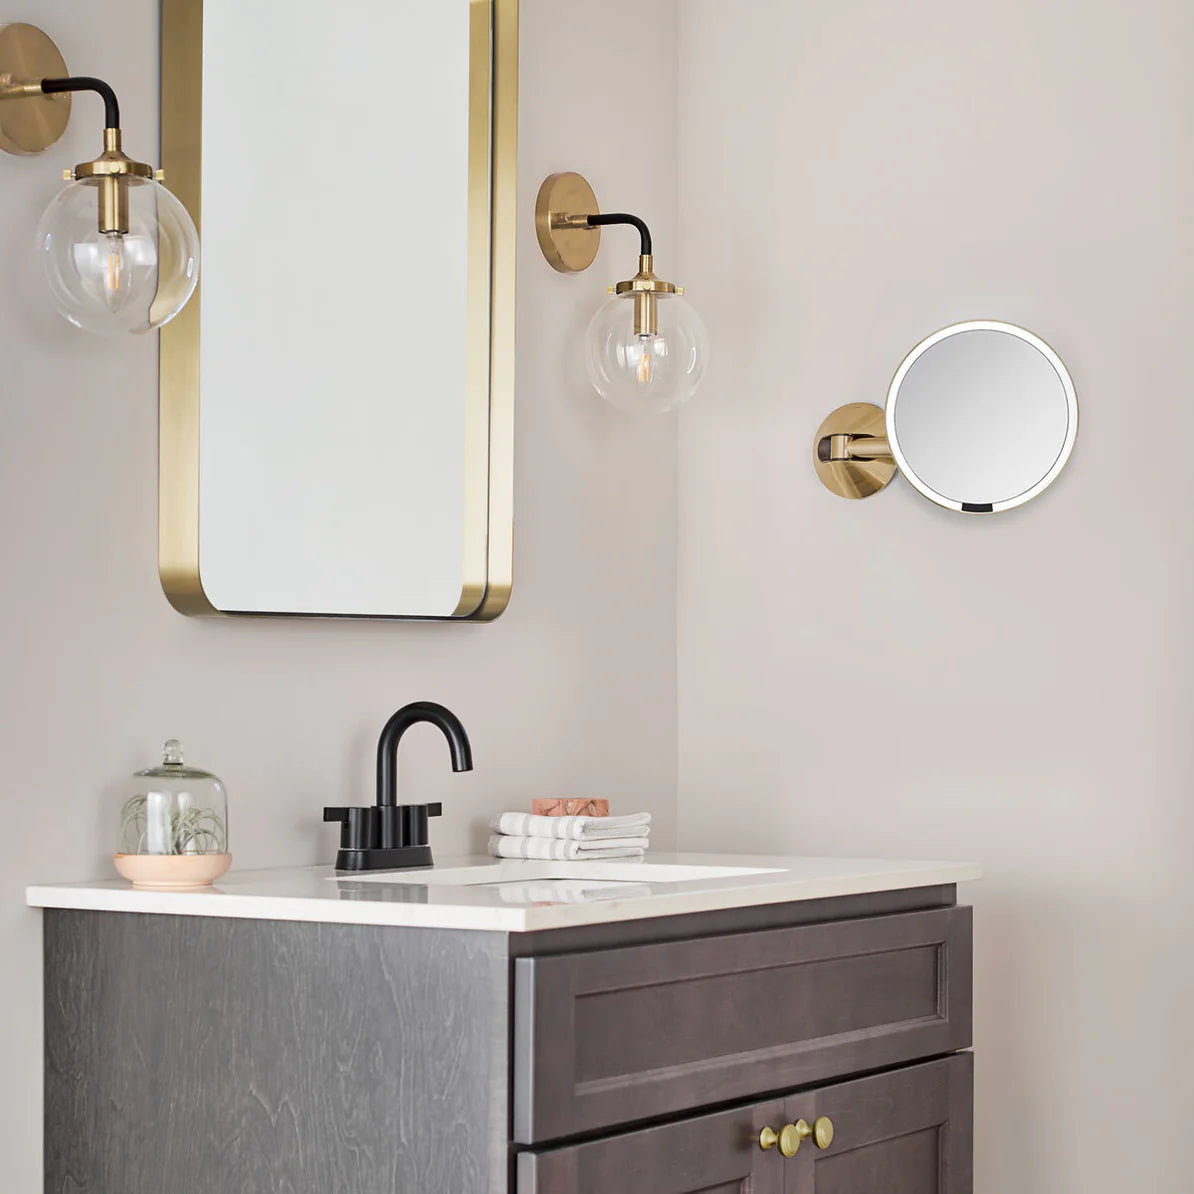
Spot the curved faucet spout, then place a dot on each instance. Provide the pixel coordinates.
(387, 746)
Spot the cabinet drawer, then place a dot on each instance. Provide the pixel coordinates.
(619, 1035)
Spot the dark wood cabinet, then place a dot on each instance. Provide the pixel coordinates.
(637, 1058)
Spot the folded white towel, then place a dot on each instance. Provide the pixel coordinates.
(504, 845)
(577, 829)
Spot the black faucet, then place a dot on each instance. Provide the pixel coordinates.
(390, 836)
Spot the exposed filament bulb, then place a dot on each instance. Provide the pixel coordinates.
(646, 331)
(646, 367)
(115, 266)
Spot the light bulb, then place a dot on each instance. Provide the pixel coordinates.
(646, 373)
(119, 282)
(646, 348)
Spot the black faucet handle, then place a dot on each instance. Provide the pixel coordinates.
(435, 810)
(357, 826)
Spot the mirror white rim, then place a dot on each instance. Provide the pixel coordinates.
(983, 325)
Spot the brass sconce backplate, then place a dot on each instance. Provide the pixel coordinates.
(856, 477)
(566, 240)
(30, 123)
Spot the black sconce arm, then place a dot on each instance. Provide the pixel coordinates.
(87, 83)
(11, 89)
(619, 217)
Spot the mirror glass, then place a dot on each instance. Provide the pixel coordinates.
(333, 401)
(981, 416)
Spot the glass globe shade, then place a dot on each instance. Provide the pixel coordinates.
(112, 283)
(646, 374)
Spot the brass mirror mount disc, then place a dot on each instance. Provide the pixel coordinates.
(568, 248)
(30, 123)
(854, 478)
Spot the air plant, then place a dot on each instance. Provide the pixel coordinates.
(150, 824)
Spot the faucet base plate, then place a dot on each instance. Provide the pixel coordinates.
(395, 858)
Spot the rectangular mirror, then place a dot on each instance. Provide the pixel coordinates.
(337, 402)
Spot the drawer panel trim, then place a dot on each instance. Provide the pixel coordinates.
(614, 1036)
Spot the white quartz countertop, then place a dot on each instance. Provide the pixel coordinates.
(513, 895)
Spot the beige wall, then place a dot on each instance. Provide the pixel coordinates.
(852, 175)
(885, 677)
(571, 691)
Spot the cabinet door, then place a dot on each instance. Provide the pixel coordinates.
(708, 1154)
(908, 1131)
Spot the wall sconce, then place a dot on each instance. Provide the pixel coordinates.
(646, 348)
(119, 251)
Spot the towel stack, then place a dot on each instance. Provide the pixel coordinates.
(524, 835)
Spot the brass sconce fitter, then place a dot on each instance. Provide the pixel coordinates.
(646, 350)
(120, 252)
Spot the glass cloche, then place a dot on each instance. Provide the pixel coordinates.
(173, 825)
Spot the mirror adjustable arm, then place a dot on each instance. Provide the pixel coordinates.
(854, 447)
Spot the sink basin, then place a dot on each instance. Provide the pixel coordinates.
(517, 870)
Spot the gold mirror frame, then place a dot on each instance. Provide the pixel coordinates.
(493, 194)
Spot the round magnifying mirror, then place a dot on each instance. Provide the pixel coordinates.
(981, 416)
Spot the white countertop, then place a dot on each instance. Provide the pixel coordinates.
(512, 895)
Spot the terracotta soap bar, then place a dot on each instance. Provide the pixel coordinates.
(570, 808)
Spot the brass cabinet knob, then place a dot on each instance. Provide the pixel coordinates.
(790, 1136)
(823, 1132)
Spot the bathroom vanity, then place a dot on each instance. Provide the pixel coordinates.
(708, 1024)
